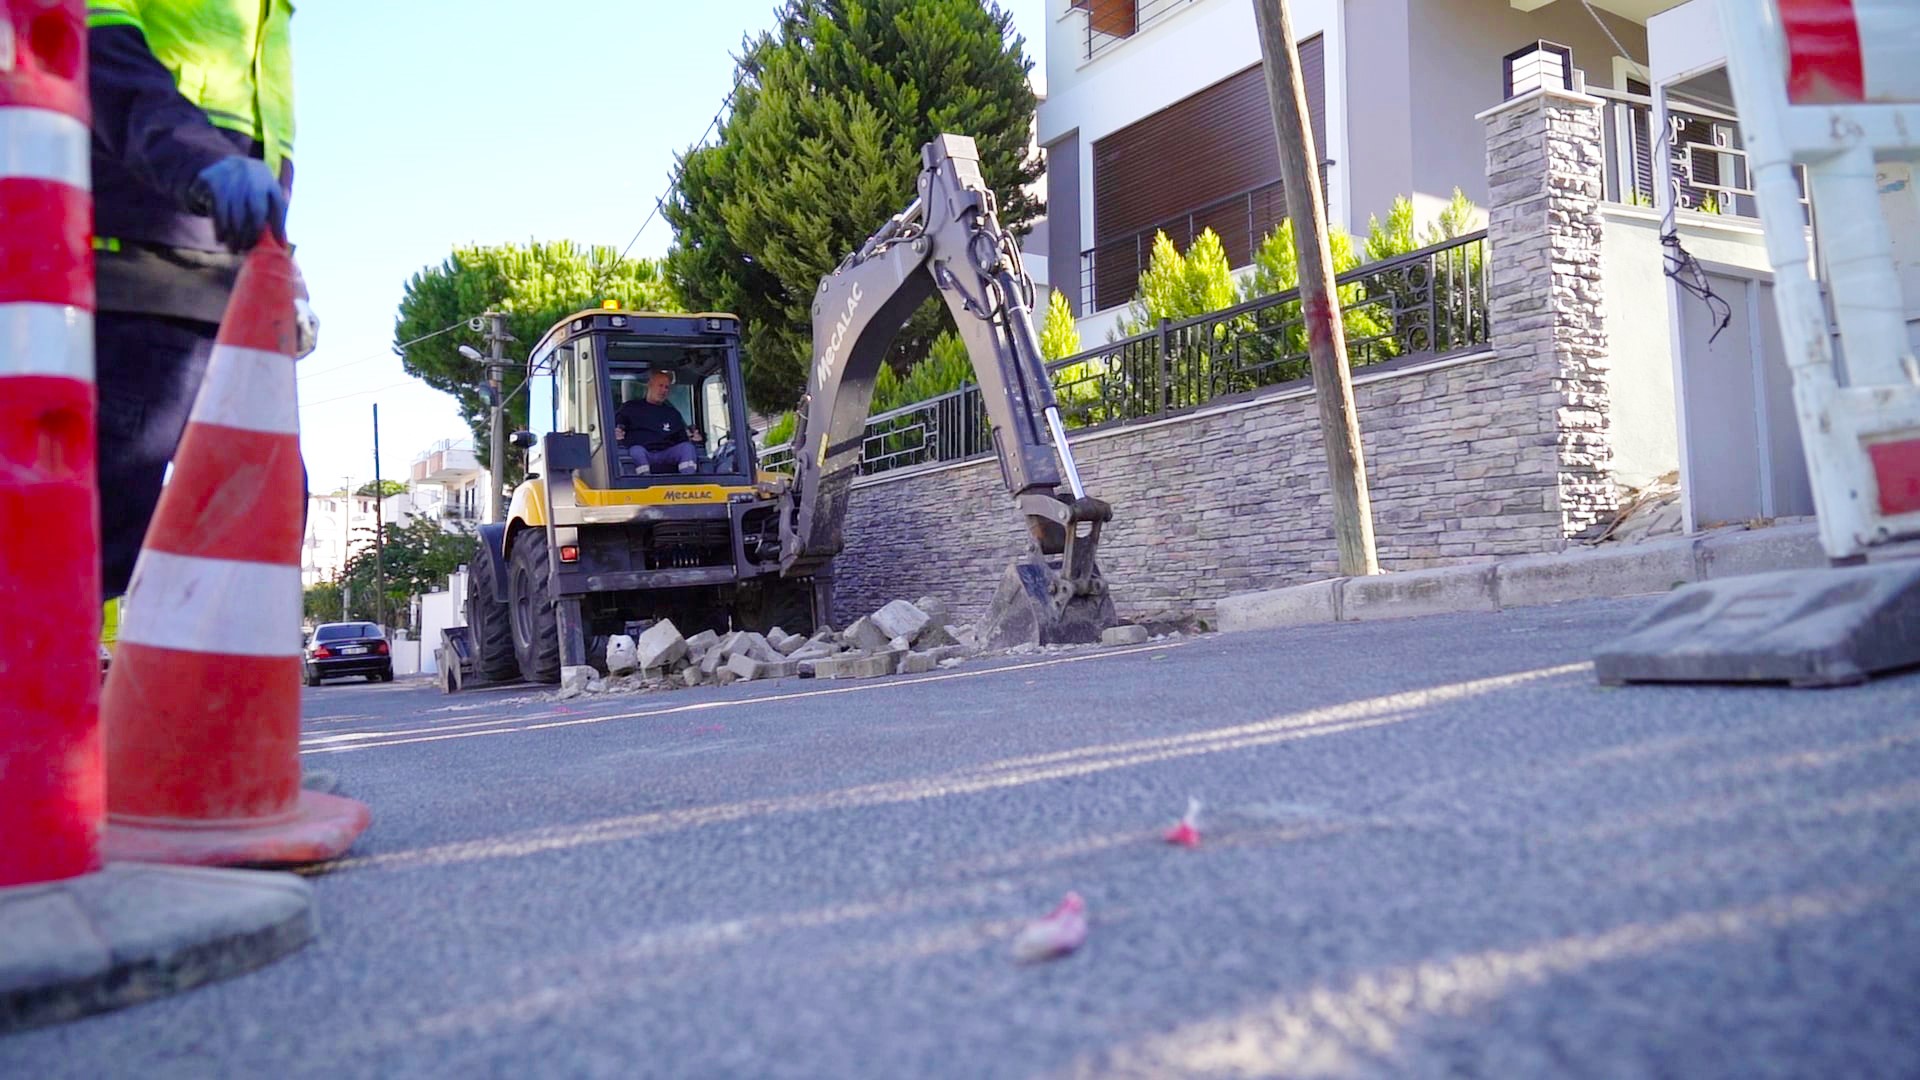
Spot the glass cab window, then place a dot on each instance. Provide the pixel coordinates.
(697, 394)
(579, 395)
(543, 409)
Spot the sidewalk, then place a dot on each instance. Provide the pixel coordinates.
(1609, 570)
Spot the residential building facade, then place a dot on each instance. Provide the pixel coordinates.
(1156, 116)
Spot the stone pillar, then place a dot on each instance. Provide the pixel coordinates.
(1546, 304)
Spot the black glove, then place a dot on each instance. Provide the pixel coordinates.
(243, 197)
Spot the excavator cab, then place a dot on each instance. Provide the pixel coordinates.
(601, 535)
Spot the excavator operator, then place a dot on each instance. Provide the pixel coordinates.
(652, 432)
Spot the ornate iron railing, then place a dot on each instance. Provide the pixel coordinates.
(1424, 304)
(1705, 146)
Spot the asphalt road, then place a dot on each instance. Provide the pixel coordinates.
(1431, 848)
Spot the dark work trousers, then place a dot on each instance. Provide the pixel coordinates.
(148, 369)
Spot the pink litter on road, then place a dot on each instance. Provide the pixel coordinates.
(1062, 931)
(1186, 832)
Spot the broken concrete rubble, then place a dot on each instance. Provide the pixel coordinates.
(788, 644)
(620, 655)
(574, 680)
(1124, 635)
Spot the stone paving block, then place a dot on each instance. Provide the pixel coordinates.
(937, 612)
(660, 645)
(865, 636)
(867, 666)
(1124, 635)
(918, 663)
(747, 668)
(698, 644)
(900, 619)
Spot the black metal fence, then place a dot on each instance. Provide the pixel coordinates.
(1421, 305)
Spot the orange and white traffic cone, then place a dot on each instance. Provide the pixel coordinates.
(202, 704)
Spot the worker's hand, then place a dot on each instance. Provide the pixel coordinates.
(619, 433)
(693, 435)
(243, 197)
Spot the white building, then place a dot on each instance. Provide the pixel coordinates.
(336, 524)
(1156, 117)
(446, 484)
(450, 483)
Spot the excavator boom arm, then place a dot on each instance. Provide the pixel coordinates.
(947, 242)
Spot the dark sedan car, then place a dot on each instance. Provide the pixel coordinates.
(347, 648)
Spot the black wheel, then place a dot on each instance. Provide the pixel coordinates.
(387, 675)
(536, 630)
(489, 626)
(307, 676)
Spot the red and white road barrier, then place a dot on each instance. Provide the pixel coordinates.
(51, 774)
(1851, 51)
(202, 706)
(1833, 86)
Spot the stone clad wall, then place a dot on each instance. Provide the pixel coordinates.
(1461, 459)
(1546, 300)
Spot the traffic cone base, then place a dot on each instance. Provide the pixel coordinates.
(317, 829)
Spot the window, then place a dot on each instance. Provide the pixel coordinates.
(715, 409)
(1206, 161)
(346, 631)
(580, 393)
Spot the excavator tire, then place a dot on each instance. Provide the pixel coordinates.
(489, 626)
(536, 630)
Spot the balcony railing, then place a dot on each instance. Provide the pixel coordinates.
(1705, 145)
(1425, 304)
(1110, 22)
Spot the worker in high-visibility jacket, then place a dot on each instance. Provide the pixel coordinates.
(192, 160)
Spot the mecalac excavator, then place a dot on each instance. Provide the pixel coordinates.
(606, 532)
(949, 241)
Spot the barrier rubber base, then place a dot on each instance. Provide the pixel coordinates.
(322, 827)
(1828, 627)
(131, 933)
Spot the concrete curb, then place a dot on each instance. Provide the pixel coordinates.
(137, 931)
(1655, 566)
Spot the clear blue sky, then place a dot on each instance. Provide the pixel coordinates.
(426, 125)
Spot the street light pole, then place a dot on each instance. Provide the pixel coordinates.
(496, 368)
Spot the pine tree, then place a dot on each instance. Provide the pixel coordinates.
(1059, 336)
(822, 145)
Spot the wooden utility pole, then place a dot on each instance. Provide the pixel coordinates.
(1326, 339)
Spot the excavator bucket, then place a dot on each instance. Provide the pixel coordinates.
(1054, 595)
(1036, 605)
